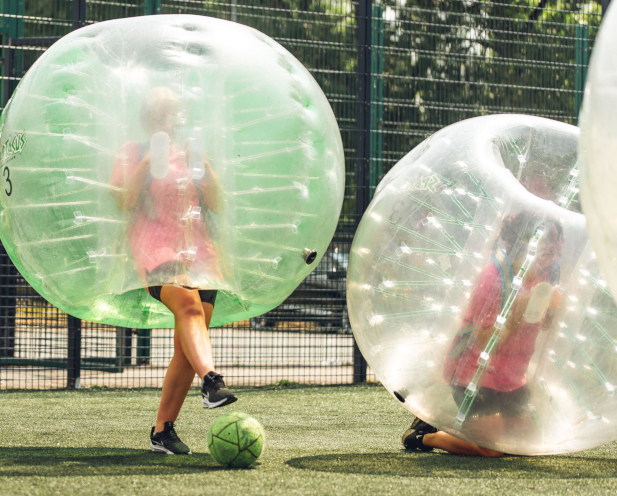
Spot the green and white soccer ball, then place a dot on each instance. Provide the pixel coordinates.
(236, 440)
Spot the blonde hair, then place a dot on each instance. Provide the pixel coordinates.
(157, 101)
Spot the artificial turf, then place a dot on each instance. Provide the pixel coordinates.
(327, 440)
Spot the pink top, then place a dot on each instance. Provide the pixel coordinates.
(510, 359)
(159, 234)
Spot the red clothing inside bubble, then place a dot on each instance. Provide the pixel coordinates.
(510, 359)
(157, 232)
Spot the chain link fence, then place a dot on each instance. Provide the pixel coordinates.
(394, 72)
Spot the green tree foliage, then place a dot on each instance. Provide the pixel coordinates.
(445, 61)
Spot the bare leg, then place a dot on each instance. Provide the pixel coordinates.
(456, 446)
(451, 444)
(176, 385)
(192, 318)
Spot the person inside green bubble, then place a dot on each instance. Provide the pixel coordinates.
(169, 241)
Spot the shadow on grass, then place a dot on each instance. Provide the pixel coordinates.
(58, 462)
(449, 466)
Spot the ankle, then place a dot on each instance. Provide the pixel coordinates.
(427, 438)
(160, 426)
(206, 372)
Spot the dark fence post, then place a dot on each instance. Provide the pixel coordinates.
(73, 366)
(152, 7)
(234, 11)
(124, 337)
(79, 14)
(363, 138)
(143, 346)
(12, 26)
(8, 304)
(363, 113)
(376, 108)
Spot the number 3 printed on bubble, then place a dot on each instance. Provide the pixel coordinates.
(6, 173)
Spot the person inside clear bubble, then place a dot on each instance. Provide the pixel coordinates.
(501, 402)
(170, 243)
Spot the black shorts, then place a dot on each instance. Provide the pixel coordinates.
(491, 402)
(206, 295)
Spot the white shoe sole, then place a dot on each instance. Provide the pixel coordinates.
(215, 404)
(162, 449)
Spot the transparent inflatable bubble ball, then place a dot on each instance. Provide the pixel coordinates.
(475, 295)
(598, 123)
(168, 150)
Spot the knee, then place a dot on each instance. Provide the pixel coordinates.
(189, 307)
(489, 453)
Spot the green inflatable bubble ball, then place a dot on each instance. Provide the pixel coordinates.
(236, 440)
(168, 150)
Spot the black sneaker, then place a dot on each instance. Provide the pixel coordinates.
(168, 441)
(214, 392)
(413, 437)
